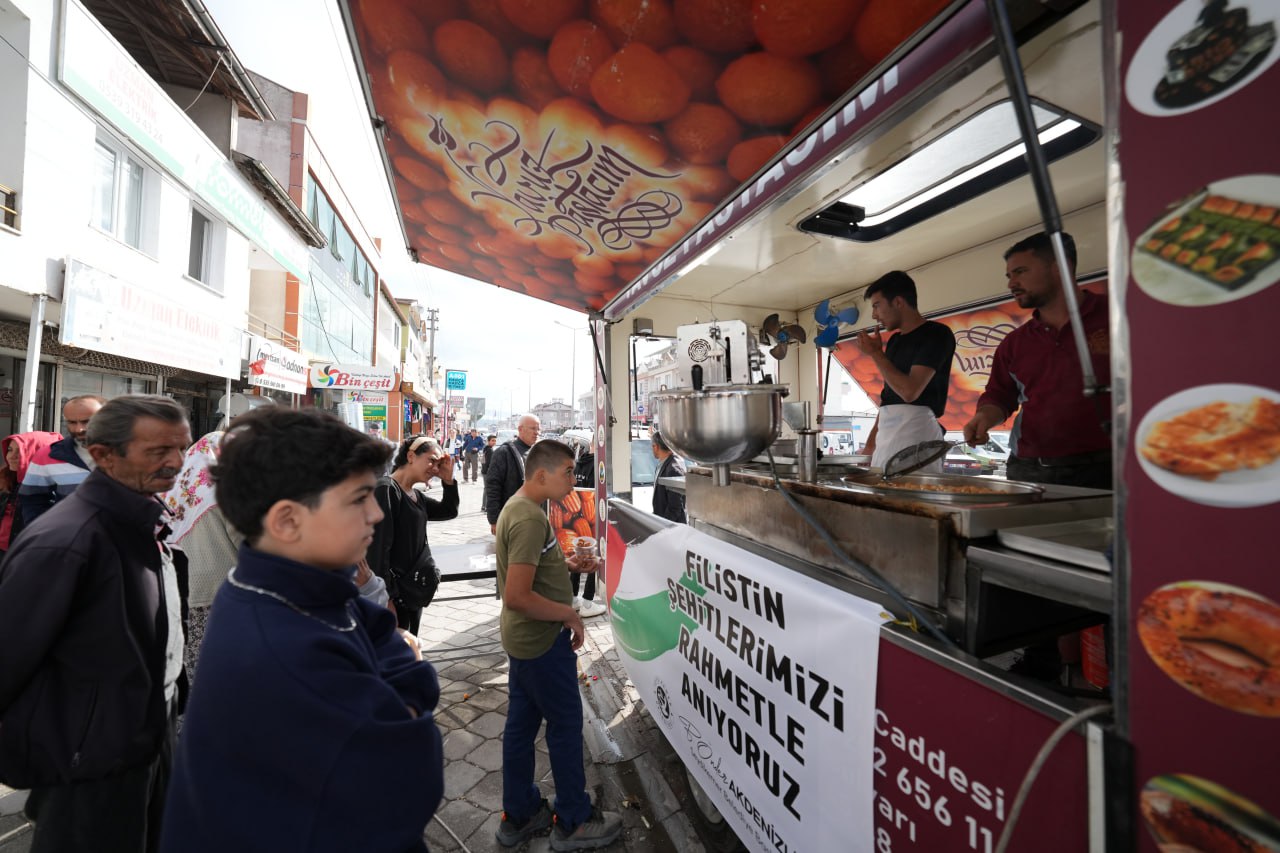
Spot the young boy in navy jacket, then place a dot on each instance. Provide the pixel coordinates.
(311, 728)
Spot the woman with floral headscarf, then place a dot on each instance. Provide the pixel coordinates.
(19, 450)
(197, 526)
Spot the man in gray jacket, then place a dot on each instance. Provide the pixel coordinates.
(506, 469)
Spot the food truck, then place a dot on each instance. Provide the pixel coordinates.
(832, 653)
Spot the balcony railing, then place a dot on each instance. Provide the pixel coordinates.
(260, 327)
(9, 206)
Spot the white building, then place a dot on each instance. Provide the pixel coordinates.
(134, 236)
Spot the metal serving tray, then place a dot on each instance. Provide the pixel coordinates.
(914, 487)
(1080, 543)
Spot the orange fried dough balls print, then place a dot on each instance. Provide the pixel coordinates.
(497, 111)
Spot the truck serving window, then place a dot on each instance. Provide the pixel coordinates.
(972, 158)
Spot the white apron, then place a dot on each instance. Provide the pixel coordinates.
(901, 426)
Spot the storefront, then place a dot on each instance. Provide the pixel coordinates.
(360, 395)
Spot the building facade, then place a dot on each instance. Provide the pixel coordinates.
(131, 236)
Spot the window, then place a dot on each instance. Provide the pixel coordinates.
(978, 155)
(117, 194)
(203, 251)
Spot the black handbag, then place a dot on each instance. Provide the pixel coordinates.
(416, 587)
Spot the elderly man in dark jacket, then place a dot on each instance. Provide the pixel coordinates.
(506, 469)
(92, 636)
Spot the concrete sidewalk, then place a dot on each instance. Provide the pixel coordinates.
(628, 762)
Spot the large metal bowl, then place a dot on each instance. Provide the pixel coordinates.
(721, 425)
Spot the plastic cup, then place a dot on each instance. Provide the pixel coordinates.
(585, 548)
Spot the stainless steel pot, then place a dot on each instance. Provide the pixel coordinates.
(722, 425)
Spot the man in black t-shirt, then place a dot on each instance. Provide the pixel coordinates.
(916, 366)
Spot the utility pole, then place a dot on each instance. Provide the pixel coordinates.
(433, 316)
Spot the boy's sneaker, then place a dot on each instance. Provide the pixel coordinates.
(509, 834)
(587, 608)
(599, 830)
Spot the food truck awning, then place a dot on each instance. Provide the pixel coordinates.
(562, 150)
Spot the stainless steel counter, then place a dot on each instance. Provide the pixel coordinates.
(924, 548)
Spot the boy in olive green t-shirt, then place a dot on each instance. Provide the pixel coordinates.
(541, 633)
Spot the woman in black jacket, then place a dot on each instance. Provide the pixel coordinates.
(399, 553)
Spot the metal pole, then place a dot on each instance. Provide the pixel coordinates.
(35, 335)
(1038, 168)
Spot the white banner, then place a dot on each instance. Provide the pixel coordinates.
(104, 313)
(762, 679)
(273, 365)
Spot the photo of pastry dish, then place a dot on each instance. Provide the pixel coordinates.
(1188, 814)
(1220, 642)
(1215, 444)
(1201, 52)
(1222, 243)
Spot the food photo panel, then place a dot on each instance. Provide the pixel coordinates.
(1220, 244)
(1201, 52)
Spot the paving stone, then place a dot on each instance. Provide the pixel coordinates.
(462, 816)
(456, 716)
(489, 699)
(482, 840)
(459, 777)
(489, 725)
(460, 744)
(487, 755)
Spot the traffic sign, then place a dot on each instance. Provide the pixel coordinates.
(455, 380)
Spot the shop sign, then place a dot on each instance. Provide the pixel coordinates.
(360, 376)
(107, 314)
(367, 398)
(272, 365)
(457, 401)
(455, 380)
(761, 678)
(94, 66)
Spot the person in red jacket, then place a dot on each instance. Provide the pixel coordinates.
(18, 449)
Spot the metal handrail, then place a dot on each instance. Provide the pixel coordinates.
(259, 326)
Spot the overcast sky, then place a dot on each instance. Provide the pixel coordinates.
(497, 336)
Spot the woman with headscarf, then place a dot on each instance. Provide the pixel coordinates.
(399, 553)
(197, 526)
(19, 449)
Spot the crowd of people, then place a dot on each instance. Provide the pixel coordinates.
(279, 556)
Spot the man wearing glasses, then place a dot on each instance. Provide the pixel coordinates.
(505, 475)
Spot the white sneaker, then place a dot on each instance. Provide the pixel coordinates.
(587, 609)
(577, 603)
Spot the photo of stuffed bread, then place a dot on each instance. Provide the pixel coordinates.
(1216, 438)
(1219, 642)
(1188, 814)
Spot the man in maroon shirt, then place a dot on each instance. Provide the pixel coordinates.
(1058, 436)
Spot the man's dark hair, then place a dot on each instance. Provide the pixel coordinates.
(659, 442)
(1042, 247)
(894, 284)
(417, 445)
(112, 425)
(546, 455)
(277, 454)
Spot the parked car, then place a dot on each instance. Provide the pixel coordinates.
(835, 443)
(963, 459)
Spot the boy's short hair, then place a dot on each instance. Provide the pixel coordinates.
(659, 442)
(546, 455)
(893, 284)
(276, 454)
